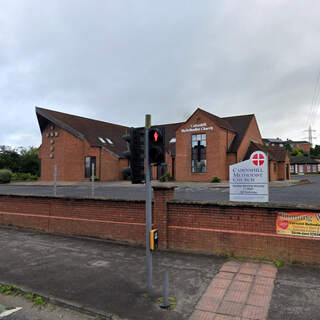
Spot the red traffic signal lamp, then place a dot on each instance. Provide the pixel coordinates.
(157, 145)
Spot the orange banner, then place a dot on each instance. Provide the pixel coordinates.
(304, 224)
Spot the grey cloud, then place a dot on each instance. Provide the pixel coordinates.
(118, 60)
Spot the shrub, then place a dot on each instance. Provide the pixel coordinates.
(126, 176)
(215, 179)
(166, 177)
(23, 176)
(5, 175)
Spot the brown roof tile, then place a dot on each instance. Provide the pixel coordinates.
(87, 128)
(302, 160)
(222, 122)
(240, 125)
(278, 154)
(91, 130)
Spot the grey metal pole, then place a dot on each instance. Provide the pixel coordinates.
(148, 206)
(92, 181)
(55, 180)
(165, 303)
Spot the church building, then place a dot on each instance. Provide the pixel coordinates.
(198, 149)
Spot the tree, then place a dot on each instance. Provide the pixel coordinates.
(297, 152)
(288, 147)
(9, 158)
(315, 151)
(20, 160)
(29, 161)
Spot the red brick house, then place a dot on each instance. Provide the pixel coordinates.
(201, 147)
(303, 145)
(304, 165)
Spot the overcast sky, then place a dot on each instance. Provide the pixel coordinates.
(117, 60)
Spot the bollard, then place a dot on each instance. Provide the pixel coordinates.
(165, 304)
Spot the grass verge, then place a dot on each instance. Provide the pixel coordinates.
(12, 291)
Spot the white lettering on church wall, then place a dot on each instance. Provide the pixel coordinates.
(198, 127)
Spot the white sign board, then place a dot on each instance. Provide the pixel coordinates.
(249, 179)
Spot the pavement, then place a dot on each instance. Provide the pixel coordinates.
(178, 184)
(20, 308)
(109, 280)
(241, 290)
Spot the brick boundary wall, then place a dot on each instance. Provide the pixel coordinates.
(235, 229)
(120, 220)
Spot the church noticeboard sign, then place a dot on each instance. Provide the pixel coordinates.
(304, 224)
(249, 179)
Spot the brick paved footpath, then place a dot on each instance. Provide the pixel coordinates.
(240, 291)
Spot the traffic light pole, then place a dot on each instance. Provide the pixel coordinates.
(148, 206)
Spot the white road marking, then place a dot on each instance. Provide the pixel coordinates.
(8, 312)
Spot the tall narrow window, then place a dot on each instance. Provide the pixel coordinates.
(198, 153)
(88, 161)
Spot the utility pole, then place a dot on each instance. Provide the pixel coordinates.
(310, 134)
(148, 206)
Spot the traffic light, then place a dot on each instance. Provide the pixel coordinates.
(157, 145)
(135, 155)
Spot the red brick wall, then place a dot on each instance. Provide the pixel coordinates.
(273, 170)
(305, 168)
(304, 146)
(69, 155)
(110, 167)
(216, 153)
(110, 219)
(236, 231)
(214, 228)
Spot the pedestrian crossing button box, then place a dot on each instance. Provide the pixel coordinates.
(154, 239)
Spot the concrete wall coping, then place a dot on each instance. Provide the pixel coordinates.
(163, 186)
(71, 198)
(275, 206)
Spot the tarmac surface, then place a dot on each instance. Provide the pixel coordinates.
(110, 279)
(30, 311)
(289, 192)
(102, 276)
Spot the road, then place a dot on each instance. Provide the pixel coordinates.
(100, 275)
(298, 194)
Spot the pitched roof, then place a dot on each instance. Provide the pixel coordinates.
(302, 160)
(91, 130)
(237, 124)
(272, 140)
(221, 122)
(298, 142)
(278, 154)
(86, 128)
(170, 132)
(240, 125)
